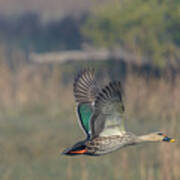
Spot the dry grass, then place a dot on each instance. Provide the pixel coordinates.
(37, 122)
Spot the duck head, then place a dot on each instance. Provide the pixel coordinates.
(156, 137)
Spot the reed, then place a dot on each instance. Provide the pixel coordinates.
(37, 122)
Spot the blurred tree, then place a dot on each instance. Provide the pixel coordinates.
(28, 33)
(149, 28)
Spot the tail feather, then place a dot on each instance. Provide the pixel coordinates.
(75, 150)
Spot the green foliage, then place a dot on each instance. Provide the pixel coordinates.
(149, 28)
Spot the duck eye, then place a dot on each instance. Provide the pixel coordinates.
(160, 134)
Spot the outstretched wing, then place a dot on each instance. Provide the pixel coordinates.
(107, 118)
(85, 91)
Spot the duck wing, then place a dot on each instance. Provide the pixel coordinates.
(108, 115)
(85, 92)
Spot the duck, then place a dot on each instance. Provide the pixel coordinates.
(100, 113)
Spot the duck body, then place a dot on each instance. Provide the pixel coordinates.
(102, 145)
(105, 145)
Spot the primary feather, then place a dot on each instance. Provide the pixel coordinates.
(85, 86)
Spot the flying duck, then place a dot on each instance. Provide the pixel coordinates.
(100, 113)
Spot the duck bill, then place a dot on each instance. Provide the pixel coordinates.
(167, 139)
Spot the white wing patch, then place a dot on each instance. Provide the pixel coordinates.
(113, 126)
(111, 132)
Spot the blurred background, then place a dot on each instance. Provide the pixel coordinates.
(43, 45)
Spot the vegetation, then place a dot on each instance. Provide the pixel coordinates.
(37, 119)
(29, 33)
(148, 28)
(37, 122)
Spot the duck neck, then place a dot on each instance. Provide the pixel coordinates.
(146, 138)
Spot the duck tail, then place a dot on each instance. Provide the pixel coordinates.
(75, 150)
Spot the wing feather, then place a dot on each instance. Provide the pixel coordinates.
(108, 114)
(85, 92)
(85, 86)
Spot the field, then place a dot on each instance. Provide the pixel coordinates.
(37, 122)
